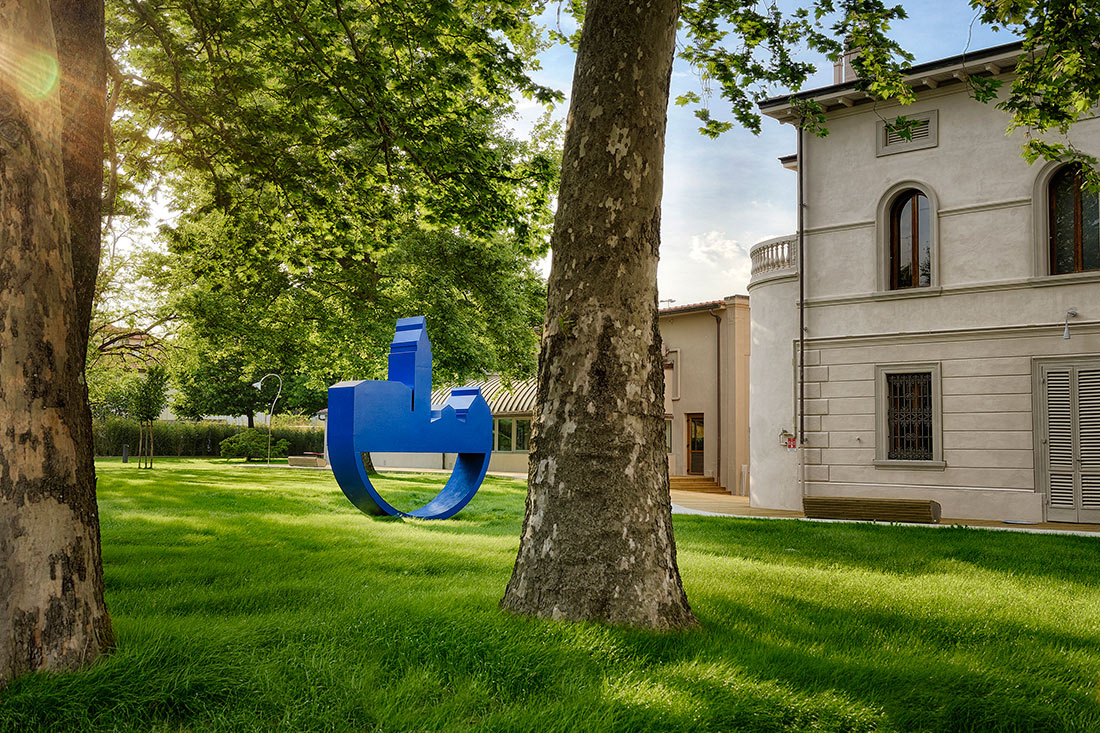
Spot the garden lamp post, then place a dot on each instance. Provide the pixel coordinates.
(259, 385)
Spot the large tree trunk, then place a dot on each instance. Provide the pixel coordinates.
(82, 54)
(597, 538)
(52, 614)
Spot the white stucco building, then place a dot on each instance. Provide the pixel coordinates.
(939, 276)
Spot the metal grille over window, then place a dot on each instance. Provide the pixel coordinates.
(909, 416)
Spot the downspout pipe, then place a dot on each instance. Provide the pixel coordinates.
(801, 315)
(717, 315)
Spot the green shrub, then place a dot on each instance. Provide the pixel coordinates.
(252, 444)
(172, 438)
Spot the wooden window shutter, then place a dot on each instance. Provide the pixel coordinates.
(1060, 438)
(1088, 415)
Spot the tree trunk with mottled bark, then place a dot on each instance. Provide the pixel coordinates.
(52, 614)
(597, 539)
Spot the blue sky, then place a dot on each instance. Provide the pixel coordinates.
(721, 196)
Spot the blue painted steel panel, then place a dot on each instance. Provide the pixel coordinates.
(397, 416)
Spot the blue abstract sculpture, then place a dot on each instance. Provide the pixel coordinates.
(397, 415)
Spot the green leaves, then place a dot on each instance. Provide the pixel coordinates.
(758, 58)
(334, 320)
(745, 51)
(984, 89)
(903, 126)
(335, 125)
(748, 53)
(1057, 79)
(148, 393)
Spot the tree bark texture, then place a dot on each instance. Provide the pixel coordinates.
(52, 614)
(597, 539)
(82, 56)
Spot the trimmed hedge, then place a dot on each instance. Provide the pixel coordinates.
(193, 438)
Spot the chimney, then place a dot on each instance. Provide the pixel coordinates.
(842, 67)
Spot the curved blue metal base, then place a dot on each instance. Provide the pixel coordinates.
(465, 480)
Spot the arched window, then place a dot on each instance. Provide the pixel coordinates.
(1074, 223)
(910, 241)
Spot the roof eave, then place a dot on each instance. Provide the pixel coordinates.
(991, 61)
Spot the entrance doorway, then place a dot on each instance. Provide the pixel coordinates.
(695, 444)
(1070, 439)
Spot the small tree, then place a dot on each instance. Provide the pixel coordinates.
(148, 398)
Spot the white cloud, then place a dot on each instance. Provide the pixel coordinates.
(714, 248)
(724, 260)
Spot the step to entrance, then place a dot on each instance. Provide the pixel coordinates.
(701, 484)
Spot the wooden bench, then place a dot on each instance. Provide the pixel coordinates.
(314, 460)
(877, 510)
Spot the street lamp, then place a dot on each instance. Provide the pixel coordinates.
(259, 385)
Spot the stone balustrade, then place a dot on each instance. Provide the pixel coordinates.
(774, 258)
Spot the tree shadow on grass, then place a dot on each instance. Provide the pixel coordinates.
(893, 549)
(919, 676)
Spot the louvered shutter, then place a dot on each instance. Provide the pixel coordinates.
(1060, 458)
(1088, 417)
(920, 131)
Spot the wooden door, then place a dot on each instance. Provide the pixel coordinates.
(695, 445)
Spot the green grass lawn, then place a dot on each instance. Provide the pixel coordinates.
(249, 598)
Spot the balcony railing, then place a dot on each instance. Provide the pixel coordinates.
(774, 258)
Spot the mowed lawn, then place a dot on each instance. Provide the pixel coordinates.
(249, 598)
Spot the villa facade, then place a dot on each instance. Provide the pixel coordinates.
(951, 312)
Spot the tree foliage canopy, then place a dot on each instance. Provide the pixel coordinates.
(327, 129)
(335, 166)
